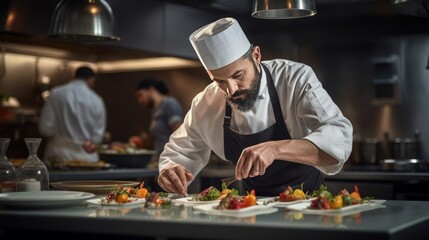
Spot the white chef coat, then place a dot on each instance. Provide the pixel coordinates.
(72, 114)
(308, 111)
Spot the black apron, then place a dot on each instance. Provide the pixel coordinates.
(279, 174)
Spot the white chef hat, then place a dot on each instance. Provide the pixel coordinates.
(219, 43)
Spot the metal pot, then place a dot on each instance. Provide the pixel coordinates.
(404, 165)
(405, 148)
(370, 151)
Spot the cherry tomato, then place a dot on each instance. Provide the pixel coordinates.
(141, 193)
(158, 202)
(122, 198)
(299, 193)
(111, 195)
(235, 203)
(337, 202)
(347, 200)
(323, 202)
(355, 197)
(249, 200)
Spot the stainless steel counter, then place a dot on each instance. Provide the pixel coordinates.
(398, 220)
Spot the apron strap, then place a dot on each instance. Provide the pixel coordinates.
(278, 114)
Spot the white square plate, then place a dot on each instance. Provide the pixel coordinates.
(189, 201)
(303, 207)
(281, 204)
(43, 199)
(247, 211)
(133, 202)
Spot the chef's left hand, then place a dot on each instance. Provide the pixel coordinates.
(89, 146)
(254, 160)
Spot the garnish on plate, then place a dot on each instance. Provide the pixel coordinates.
(121, 194)
(290, 194)
(158, 200)
(235, 202)
(212, 193)
(326, 200)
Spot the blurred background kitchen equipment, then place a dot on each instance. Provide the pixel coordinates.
(388, 154)
(406, 148)
(370, 151)
(127, 160)
(404, 165)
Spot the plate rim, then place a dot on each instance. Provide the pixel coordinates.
(91, 188)
(376, 202)
(132, 203)
(284, 204)
(239, 211)
(184, 200)
(38, 202)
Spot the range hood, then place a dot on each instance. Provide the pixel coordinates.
(412, 7)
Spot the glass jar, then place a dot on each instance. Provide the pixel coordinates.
(7, 170)
(32, 175)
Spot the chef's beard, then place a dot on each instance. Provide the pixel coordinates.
(249, 95)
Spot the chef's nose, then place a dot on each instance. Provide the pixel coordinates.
(231, 86)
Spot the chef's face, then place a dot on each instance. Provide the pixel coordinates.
(240, 80)
(144, 98)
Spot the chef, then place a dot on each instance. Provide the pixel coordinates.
(272, 119)
(74, 119)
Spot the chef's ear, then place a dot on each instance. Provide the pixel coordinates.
(256, 53)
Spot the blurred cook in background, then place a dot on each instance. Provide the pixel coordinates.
(166, 115)
(74, 119)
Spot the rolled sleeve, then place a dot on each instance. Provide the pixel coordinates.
(331, 132)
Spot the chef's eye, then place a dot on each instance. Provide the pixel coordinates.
(237, 75)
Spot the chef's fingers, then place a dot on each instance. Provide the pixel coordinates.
(261, 168)
(168, 179)
(189, 176)
(239, 166)
(254, 171)
(179, 181)
(165, 183)
(244, 164)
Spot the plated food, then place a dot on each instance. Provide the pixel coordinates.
(208, 195)
(326, 200)
(343, 203)
(237, 206)
(291, 195)
(123, 195)
(287, 197)
(158, 200)
(235, 202)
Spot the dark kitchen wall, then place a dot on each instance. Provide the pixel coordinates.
(350, 46)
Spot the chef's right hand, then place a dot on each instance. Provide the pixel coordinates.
(174, 179)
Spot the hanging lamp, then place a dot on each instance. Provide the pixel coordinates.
(283, 9)
(83, 20)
